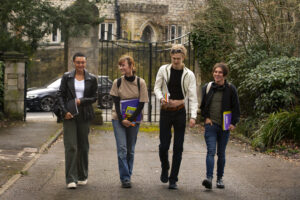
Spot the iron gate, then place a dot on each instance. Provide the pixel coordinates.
(2, 70)
(148, 58)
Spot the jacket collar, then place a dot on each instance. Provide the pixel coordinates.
(168, 67)
(86, 74)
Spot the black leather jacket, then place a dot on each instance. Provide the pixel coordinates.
(66, 92)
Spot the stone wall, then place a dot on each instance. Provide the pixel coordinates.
(137, 14)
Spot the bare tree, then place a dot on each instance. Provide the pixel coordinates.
(269, 22)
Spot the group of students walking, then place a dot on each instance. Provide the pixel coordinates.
(174, 84)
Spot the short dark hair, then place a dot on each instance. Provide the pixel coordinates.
(223, 66)
(78, 54)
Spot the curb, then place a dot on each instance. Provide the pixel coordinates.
(45, 146)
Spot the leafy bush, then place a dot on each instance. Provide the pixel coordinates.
(278, 126)
(241, 63)
(272, 85)
(247, 126)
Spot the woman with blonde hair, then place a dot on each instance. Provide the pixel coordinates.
(127, 88)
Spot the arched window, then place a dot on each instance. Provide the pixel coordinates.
(147, 35)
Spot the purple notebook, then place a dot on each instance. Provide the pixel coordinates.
(128, 107)
(226, 120)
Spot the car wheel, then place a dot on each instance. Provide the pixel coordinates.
(47, 103)
(106, 101)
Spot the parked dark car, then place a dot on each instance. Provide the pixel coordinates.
(43, 98)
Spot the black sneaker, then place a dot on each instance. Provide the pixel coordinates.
(126, 184)
(207, 183)
(172, 185)
(164, 177)
(220, 184)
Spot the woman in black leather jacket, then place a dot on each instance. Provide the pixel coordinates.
(77, 93)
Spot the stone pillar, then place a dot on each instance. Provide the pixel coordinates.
(88, 45)
(14, 84)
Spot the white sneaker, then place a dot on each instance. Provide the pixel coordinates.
(71, 185)
(82, 182)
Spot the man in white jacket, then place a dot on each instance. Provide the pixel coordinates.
(174, 83)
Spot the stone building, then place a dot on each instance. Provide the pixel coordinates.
(146, 20)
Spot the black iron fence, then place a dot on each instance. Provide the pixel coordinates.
(148, 58)
(2, 68)
(25, 88)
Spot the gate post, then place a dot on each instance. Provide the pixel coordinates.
(150, 83)
(14, 85)
(88, 45)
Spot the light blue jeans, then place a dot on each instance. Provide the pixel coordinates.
(125, 140)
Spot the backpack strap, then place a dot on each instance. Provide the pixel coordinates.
(208, 87)
(138, 83)
(119, 81)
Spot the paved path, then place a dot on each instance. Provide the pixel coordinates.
(248, 175)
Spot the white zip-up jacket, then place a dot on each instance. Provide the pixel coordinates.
(188, 86)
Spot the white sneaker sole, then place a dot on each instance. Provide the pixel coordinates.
(82, 182)
(72, 185)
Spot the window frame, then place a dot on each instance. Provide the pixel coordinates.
(108, 35)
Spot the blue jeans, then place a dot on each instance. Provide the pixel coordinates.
(125, 140)
(215, 137)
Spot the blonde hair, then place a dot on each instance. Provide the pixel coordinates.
(130, 62)
(178, 48)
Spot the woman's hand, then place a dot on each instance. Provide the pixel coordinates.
(126, 123)
(208, 121)
(78, 102)
(231, 127)
(68, 115)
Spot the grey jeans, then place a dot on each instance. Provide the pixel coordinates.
(76, 144)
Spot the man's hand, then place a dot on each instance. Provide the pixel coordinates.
(163, 101)
(231, 127)
(208, 121)
(192, 122)
(126, 123)
(68, 115)
(175, 103)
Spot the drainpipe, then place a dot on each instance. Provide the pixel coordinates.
(118, 19)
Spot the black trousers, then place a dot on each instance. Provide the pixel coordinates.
(177, 119)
